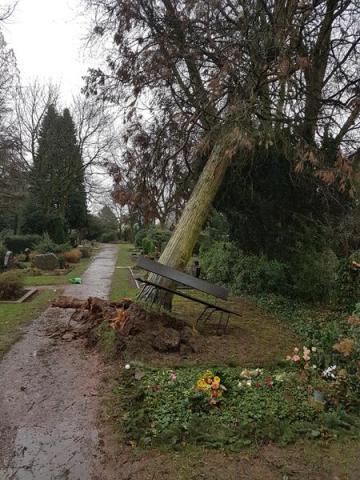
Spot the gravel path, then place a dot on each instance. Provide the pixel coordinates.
(48, 394)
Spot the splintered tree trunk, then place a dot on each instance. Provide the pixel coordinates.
(179, 249)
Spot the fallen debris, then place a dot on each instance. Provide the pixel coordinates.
(137, 329)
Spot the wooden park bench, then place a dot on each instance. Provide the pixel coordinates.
(193, 283)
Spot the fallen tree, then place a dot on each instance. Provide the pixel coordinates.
(234, 75)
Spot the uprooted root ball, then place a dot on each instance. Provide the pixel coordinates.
(135, 329)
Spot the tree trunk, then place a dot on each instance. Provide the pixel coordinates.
(179, 249)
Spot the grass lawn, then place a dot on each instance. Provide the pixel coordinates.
(122, 284)
(15, 316)
(39, 280)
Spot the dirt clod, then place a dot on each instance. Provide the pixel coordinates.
(167, 340)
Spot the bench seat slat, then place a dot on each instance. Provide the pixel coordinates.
(183, 278)
(189, 297)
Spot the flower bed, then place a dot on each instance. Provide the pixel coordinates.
(223, 408)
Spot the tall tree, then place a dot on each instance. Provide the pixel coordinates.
(12, 170)
(242, 72)
(74, 188)
(57, 194)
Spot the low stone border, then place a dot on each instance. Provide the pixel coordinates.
(28, 293)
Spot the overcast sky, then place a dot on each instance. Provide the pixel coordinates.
(48, 39)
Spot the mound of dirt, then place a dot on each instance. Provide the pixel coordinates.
(142, 332)
(257, 339)
(138, 331)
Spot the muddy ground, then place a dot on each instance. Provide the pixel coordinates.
(49, 398)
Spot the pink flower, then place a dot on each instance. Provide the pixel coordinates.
(173, 376)
(296, 350)
(296, 358)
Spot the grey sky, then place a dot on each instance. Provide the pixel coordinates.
(47, 37)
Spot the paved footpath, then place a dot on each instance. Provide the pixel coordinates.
(48, 394)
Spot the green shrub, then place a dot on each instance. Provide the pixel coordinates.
(18, 243)
(11, 285)
(148, 246)
(159, 236)
(139, 237)
(46, 245)
(218, 262)
(256, 275)
(314, 275)
(347, 288)
(108, 237)
(224, 263)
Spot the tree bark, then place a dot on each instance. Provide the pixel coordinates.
(179, 249)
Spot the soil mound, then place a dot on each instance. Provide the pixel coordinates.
(138, 331)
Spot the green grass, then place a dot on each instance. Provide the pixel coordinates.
(121, 286)
(39, 280)
(15, 316)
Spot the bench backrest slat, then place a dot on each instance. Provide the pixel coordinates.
(181, 277)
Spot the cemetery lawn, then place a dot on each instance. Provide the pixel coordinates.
(14, 316)
(122, 283)
(40, 280)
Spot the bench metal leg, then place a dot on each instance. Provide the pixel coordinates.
(207, 317)
(201, 315)
(223, 322)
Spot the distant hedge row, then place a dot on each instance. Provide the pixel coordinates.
(18, 243)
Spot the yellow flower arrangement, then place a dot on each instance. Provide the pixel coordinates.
(211, 384)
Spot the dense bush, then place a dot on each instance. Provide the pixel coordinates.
(224, 263)
(148, 246)
(309, 275)
(156, 235)
(218, 262)
(18, 243)
(72, 256)
(108, 237)
(314, 275)
(139, 237)
(46, 245)
(11, 285)
(347, 289)
(256, 275)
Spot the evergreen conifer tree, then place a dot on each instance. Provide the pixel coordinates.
(57, 199)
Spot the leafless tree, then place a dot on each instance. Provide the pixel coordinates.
(31, 104)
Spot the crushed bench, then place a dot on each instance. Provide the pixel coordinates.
(188, 281)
